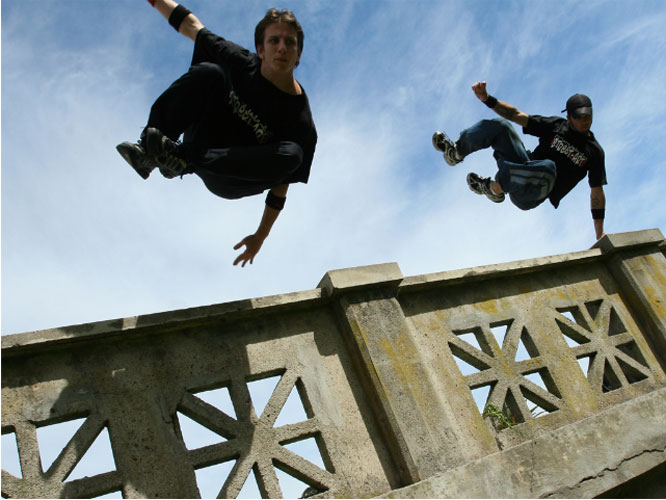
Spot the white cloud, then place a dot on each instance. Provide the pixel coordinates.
(87, 239)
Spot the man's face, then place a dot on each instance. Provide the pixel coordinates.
(580, 123)
(279, 53)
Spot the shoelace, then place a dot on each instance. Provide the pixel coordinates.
(171, 166)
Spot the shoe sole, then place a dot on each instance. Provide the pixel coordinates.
(127, 156)
(444, 139)
(435, 142)
(473, 182)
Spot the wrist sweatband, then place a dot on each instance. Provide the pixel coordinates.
(177, 15)
(490, 102)
(598, 213)
(276, 202)
(152, 2)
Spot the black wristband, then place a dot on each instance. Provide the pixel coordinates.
(177, 15)
(274, 201)
(491, 102)
(598, 213)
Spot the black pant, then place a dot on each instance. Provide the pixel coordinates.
(190, 106)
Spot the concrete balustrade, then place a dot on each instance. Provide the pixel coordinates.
(543, 377)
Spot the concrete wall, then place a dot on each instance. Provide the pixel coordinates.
(386, 369)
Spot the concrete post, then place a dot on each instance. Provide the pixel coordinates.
(638, 264)
(147, 452)
(392, 369)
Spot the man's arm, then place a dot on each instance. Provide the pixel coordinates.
(254, 241)
(190, 25)
(598, 206)
(501, 108)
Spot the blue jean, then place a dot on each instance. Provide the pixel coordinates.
(527, 182)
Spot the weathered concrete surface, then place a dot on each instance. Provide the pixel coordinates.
(136, 383)
(377, 362)
(641, 271)
(136, 326)
(416, 425)
(361, 278)
(579, 460)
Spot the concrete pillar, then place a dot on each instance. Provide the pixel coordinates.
(392, 369)
(148, 454)
(636, 261)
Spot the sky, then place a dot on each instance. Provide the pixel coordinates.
(86, 239)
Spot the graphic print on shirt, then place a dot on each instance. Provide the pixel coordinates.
(565, 148)
(249, 117)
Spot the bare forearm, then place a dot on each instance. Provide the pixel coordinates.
(598, 227)
(190, 25)
(511, 113)
(270, 213)
(598, 206)
(505, 110)
(165, 7)
(267, 221)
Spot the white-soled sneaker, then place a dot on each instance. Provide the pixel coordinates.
(164, 151)
(442, 143)
(136, 156)
(481, 185)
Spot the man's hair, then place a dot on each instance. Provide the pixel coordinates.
(276, 16)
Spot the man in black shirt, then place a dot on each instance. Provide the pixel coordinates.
(566, 153)
(245, 120)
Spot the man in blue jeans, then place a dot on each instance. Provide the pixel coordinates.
(567, 152)
(245, 120)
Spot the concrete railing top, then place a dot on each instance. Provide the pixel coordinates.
(333, 283)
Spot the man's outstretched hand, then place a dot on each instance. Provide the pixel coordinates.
(254, 241)
(252, 245)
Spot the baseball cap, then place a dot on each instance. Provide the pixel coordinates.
(578, 104)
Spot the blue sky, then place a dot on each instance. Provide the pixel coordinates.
(85, 239)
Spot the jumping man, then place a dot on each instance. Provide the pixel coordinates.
(245, 120)
(567, 152)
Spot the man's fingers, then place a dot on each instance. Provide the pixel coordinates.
(239, 259)
(244, 258)
(248, 254)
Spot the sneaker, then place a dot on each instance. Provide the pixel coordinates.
(164, 152)
(481, 185)
(447, 146)
(136, 156)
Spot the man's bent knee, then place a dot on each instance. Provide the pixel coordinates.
(289, 156)
(207, 68)
(500, 125)
(209, 72)
(525, 204)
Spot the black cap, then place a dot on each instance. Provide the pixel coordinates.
(578, 104)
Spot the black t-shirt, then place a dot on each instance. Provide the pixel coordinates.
(256, 111)
(575, 154)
